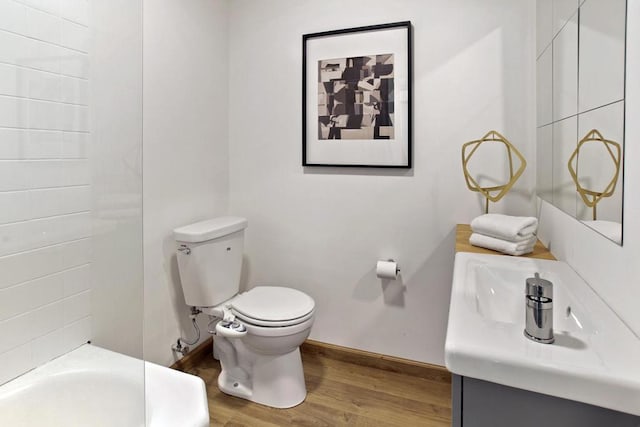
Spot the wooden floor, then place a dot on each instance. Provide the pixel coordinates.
(339, 394)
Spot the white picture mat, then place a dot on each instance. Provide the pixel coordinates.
(354, 151)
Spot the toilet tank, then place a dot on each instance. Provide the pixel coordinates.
(210, 259)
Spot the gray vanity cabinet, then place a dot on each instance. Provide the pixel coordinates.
(478, 403)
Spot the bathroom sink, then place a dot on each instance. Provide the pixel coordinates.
(496, 292)
(594, 358)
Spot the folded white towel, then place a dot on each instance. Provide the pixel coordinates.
(510, 248)
(506, 227)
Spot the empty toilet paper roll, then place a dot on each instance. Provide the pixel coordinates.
(387, 270)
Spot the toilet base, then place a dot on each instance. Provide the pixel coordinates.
(276, 381)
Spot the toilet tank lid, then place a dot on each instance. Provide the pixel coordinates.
(209, 229)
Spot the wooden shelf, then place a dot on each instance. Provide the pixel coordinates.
(463, 232)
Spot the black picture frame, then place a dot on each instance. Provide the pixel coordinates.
(386, 107)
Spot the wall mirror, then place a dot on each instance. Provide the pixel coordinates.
(580, 83)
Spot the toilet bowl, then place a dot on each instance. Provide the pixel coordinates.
(258, 345)
(277, 319)
(257, 333)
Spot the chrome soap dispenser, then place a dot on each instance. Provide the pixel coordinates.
(539, 310)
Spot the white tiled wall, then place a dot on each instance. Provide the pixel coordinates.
(45, 191)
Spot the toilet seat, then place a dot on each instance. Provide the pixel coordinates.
(268, 331)
(284, 307)
(274, 324)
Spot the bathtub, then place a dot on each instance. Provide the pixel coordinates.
(91, 386)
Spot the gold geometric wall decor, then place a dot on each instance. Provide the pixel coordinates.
(591, 197)
(467, 151)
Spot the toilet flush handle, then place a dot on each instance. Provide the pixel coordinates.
(184, 249)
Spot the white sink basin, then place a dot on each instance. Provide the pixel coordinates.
(595, 358)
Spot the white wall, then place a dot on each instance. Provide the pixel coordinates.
(613, 271)
(321, 230)
(185, 150)
(45, 193)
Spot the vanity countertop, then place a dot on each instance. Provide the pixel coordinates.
(463, 232)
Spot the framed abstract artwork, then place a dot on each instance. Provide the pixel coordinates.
(356, 97)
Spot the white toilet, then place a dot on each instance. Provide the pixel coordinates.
(258, 332)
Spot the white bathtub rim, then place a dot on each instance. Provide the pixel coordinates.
(171, 397)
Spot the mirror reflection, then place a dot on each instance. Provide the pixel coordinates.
(580, 110)
(595, 167)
